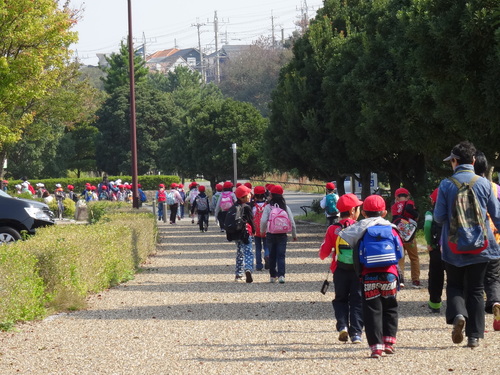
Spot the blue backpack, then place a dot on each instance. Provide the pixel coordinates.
(379, 247)
(331, 204)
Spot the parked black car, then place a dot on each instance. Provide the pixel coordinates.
(18, 214)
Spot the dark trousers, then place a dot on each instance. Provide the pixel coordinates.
(173, 212)
(221, 217)
(380, 307)
(347, 304)
(465, 295)
(203, 219)
(492, 284)
(277, 253)
(436, 276)
(332, 219)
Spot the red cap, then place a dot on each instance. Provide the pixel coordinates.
(238, 184)
(330, 186)
(401, 191)
(139, 185)
(277, 189)
(181, 186)
(218, 187)
(248, 185)
(434, 196)
(70, 187)
(374, 203)
(161, 185)
(259, 190)
(228, 185)
(103, 187)
(173, 185)
(242, 191)
(201, 188)
(93, 187)
(348, 201)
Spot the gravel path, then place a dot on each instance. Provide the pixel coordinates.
(184, 314)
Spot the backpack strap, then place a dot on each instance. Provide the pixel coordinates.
(472, 181)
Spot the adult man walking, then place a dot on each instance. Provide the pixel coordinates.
(465, 271)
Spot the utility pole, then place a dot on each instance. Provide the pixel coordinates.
(217, 55)
(235, 164)
(272, 29)
(217, 52)
(202, 63)
(133, 128)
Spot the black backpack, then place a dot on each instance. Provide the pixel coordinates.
(234, 223)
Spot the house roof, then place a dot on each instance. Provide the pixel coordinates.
(164, 53)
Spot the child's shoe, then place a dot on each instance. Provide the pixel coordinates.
(248, 276)
(496, 316)
(273, 279)
(281, 279)
(238, 279)
(356, 339)
(376, 354)
(343, 335)
(389, 349)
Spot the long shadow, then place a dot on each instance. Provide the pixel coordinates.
(213, 311)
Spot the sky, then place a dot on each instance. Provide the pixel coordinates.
(164, 24)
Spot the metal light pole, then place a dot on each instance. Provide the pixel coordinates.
(235, 164)
(133, 128)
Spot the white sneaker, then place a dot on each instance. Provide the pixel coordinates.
(343, 335)
(281, 279)
(273, 279)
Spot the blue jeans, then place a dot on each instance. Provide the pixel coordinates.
(260, 242)
(277, 250)
(160, 210)
(244, 255)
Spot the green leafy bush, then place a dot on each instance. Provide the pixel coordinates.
(69, 207)
(63, 263)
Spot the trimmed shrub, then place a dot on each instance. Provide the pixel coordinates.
(64, 263)
(22, 290)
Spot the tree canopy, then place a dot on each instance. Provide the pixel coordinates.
(388, 86)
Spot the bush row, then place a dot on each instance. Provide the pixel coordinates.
(147, 182)
(56, 269)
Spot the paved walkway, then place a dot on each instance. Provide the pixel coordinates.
(184, 314)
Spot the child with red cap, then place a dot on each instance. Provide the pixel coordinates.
(370, 238)
(329, 203)
(432, 233)
(404, 208)
(277, 241)
(244, 249)
(202, 206)
(347, 302)
(259, 204)
(224, 203)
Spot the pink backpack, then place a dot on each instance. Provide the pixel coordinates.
(278, 222)
(226, 200)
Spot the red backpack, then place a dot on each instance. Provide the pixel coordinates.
(259, 209)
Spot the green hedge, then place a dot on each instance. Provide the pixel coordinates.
(147, 182)
(57, 268)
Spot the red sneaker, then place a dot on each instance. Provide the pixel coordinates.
(496, 316)
(376, 354)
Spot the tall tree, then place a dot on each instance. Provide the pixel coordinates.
(34, 42)
(117, 71)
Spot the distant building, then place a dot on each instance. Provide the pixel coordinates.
(227, 52)
(167, 60)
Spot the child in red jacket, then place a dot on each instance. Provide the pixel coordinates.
(347, 304)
